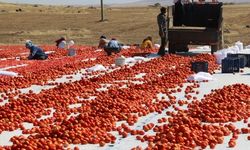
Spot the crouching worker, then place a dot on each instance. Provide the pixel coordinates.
(112, 47)
(147, 43)
(61, 43)
(35, 52)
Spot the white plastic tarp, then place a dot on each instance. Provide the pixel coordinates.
(130, 60)
(8, 73)
(125, 47)
(138, 58)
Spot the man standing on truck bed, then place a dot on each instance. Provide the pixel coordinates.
(162, 23)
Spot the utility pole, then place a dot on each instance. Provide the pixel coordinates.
(102, 13)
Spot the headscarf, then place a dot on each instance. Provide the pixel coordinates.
(28, 44)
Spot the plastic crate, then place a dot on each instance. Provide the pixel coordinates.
(199, 66)
(247, 59)
(230, 65)
(242, 57)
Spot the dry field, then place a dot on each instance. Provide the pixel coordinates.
(44, 24)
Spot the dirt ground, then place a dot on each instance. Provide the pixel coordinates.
(45, 24)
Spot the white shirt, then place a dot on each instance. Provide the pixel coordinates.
(62, 44)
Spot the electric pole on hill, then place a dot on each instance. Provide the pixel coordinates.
(102, 13)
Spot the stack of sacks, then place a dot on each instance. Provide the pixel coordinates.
(237, 48)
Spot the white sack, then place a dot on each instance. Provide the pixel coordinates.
(97, 67)
(239, 45)
(201, 76)
(247, 47)
(157, 45)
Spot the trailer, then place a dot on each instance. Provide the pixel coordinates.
(196, 24)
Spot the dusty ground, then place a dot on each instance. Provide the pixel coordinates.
(44, 24)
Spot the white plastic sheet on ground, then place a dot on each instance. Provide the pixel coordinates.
(125, 47)
(130, 60)
(201, 76)
(8, 73)
(49, 52)
(98, 50)
(138, 58)
(134, 59)
(153, 55)
(97, 67)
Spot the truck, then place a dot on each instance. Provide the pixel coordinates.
(195, 24)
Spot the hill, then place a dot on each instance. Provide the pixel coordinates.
(44, 24)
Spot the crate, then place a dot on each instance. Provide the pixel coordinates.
(247, 59)
(230, 65)
(199, 66)
(242, 57)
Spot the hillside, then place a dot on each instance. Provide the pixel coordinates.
(44, 24)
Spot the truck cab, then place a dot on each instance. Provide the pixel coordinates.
(196, 24)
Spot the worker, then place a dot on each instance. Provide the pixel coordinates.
(35, 51)
(112, 46)
(162, 24)
(61, 43)
(103, 42)
(147, 43)
(71, 49)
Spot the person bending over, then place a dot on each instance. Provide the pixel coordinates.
(61, 43)
(112, 47)
(36, 53)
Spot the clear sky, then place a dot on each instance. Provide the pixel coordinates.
(69, 2)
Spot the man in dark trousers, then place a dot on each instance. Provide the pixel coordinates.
(162, 23)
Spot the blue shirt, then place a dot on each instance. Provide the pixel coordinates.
(35, 51)
(113, 44)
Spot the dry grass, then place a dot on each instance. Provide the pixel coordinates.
(44, 24)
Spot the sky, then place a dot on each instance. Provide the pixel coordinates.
(69, 2)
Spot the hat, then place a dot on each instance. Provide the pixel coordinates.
(71, 43)
(28, 43)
